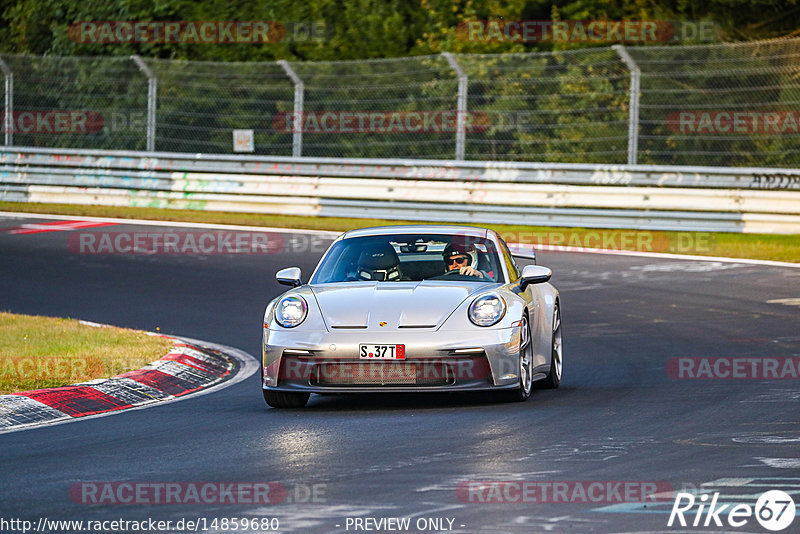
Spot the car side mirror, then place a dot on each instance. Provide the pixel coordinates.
(289, 277)
(534, 274)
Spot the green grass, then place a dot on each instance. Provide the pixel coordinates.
(44, 352)
(755, 246)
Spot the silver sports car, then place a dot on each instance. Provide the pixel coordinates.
(412, 308)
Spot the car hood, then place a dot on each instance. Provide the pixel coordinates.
(424, 304)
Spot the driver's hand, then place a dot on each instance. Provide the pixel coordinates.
(469, 271)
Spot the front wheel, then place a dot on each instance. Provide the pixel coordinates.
(283, 399)
(553, 379)
(525, 371)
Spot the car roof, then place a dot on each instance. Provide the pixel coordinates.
(447, 229)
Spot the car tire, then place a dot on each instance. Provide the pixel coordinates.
(283, 399)
(521, 393)
(553, 379)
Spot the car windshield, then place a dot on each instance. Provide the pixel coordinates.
(410, 257)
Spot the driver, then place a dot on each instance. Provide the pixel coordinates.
(462, 258)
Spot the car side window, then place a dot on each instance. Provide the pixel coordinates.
(511, 265)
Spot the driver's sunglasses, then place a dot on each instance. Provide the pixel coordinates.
(457, 259)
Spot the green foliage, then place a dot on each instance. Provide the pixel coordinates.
(361, 29)
(545, 101)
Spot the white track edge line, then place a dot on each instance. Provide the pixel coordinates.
(662, 255)
(326, 233)
(179, 224)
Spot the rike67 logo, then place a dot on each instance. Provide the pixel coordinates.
(774, 510)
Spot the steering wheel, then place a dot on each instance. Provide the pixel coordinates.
(455, 275)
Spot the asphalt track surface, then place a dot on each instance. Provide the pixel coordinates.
(617, 417)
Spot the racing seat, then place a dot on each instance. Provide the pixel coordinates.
(484, 265)
(379, 262)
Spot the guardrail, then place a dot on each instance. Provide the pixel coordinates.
(761, 200)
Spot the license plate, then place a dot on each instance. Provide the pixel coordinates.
(381, 352)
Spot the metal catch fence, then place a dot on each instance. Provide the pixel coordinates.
(719, 105)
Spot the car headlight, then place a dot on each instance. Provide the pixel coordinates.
(268, 313)
(291, 311)
(487, 310)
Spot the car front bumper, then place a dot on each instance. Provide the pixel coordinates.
(321, 361)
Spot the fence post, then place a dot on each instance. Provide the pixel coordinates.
(297, 115)
(461, 125)
(152, 92)
(8, 104)
(633, 108)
